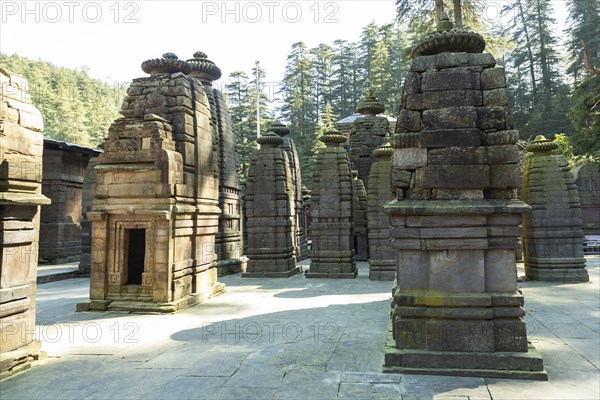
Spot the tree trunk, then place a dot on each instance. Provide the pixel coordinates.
(529, 52)
(546, 79)
(458, 20)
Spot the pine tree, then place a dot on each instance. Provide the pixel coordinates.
(584, 28)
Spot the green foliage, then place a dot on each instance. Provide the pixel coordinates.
(75, 107)
(585, 115)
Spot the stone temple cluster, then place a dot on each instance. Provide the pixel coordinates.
(430, 202)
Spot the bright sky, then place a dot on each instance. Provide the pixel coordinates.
(112, 37)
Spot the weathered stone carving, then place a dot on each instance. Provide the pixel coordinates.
(456, 308)
(270, 208)
(63, 174)
(552, 233)
(332, 253)
(229, 245)
(382, 257)
(21, 147)
(359, 218)
(300, 243)
(155, 212)
(366, 135)
(587, 179)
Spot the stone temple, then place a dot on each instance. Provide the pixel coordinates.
(271, 212)
(156, 206)
(587, 179)
(332, 253)
(552, 233)
(21, 148)
(456, 309)
(300, 241)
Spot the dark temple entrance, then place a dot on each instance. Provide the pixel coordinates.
(136, 253)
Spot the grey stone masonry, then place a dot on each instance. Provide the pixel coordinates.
(366, 135)
(270, 212)
(332, 253)
(21, 148)
(156, 201)
(456, 308)
(359, 218)
(552, 233)
(382, 257)
(87, 200)
(587, 179)
(61, 222)
(300, 242)
(228, 242)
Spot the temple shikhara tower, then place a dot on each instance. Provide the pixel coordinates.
(552, 233)
(455, 220)
(271, 212)
(156, 203)
(332, 254)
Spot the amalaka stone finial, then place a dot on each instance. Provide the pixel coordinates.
(385, 150)
(203, 68)
(305, 191)
(279, 128)
(541, 145)
(167, 64)
(370, 105)
(270, 139)
(447, 38)
(354, 174)
(333, 138)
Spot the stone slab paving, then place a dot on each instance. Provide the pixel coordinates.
(288, 339)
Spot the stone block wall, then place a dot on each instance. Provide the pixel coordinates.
(21, 149)
(63, 175)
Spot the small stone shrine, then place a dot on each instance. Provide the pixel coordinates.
(359, 218)
(63, 175)
(456, 308)
(366, 135)
(306, 196)
(270, 212)
(382, 257)
(332, 253)
(552, 234)
(587, 179)
(21, 148)
(300, 243)
(156, 205)
(228, 246)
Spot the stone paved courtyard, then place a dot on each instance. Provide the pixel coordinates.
(288, 339)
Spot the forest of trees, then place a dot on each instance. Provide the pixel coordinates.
(553, 89)
(75, 107)
(553, 78)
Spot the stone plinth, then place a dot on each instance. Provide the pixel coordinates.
(332, 253)
(87, 201)
(552, 234)
(63, 177)
(366, 134)
(155, 212)
(359, 218)
(229, 246)
(455, 222)
(270, 212)
(587, 179)
(382, 257)
(300, 242)
(21, 148)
